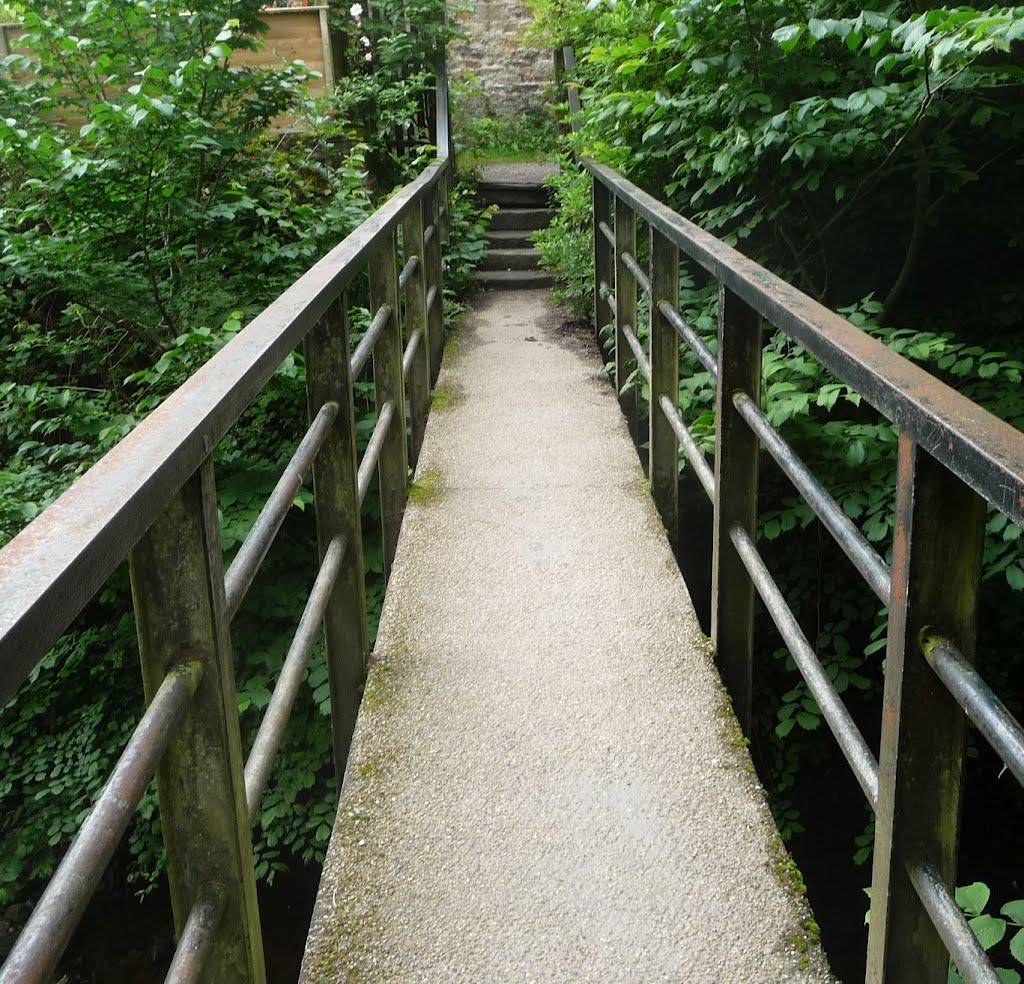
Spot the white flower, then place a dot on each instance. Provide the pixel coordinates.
(366, 41)
(369, 56)
(356, 10)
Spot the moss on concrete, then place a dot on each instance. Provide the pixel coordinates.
(371, 769)
(447, 396)
(378, 688)
(452, 346)
(344, 942)
(427, 489)
(788, 874)
(729, 729)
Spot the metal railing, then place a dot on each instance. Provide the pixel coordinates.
(953, 458)
(153, 499)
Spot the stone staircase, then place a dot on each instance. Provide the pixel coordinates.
(524, 206)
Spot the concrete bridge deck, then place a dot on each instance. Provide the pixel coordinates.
(546, 782)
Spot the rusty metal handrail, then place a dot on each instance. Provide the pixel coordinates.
(239, 576)
(846, 533)
(983, 451)
(366, 344)
(53, 567)
(851, 742)
(293, 671)
(998, 726)
(373, 449)
(953, 457)
(153, 498)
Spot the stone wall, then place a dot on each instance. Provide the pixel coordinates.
(512, 78)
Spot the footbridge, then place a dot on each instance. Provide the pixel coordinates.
(541, 774)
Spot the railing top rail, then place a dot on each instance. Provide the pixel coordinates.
(50, 570)
(985, 452)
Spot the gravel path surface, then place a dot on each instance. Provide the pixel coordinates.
(546, 782)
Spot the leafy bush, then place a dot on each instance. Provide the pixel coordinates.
(567, 245)
(387, 73)
(483, 138)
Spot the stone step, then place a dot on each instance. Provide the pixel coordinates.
(515, 194)
(511, 259)
(513, 279)
(521, 218)
(510, 238)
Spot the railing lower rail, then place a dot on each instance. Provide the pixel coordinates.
(153, 499)
(953, 458)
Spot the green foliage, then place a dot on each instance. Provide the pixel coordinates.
(385, 85)
(793, 145)
(991, 930)
(467, 226)
(144, 214)
(50, 776)
(527, 136)
(567, 245)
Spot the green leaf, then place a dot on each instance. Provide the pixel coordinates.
(788, 37)
(981, 116)
(783, 728)
(973, 898)
(1014, 911)
(997, 522)
(1017, 945)
(989, 930)
(855, 453)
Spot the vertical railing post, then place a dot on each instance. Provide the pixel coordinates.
(389, 387)
(444, 190)
(732, 591)
(416, 320)
(937, 559)
(559, 76)
(625, 310)
(664, 446)
(442, 136)
(434, 283)
(177, 576)
(337, 514)
(604, 259)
